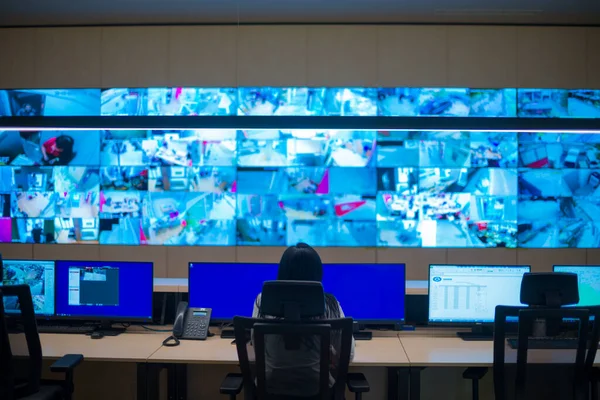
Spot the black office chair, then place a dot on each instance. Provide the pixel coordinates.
(545, 294)
(33, 387)
(290, 332)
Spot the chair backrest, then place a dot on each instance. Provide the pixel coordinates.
(7, 371)
(293, 345)
(584, 357)
(292, 300)
(549, 289)
(25, 320)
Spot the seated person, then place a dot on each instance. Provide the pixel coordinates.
(297, 372)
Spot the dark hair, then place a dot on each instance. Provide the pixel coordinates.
(302, 263)
(65, 144)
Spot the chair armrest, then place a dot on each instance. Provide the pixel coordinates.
(232, 384)
(357, 383)
(66, 363)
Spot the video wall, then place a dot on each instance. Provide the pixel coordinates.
(302, 101)
(274, 188)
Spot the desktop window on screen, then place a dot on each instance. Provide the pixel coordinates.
(39, 275)
(588, 279)
(470, 293)
(104, 290)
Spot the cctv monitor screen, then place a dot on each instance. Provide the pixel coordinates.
(470, 293)
(366, 292)
(588, 279)
(104, 290)
(39, 275)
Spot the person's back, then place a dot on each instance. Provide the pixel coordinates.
(296, 372)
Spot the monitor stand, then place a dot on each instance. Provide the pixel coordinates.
(359, 333)
(227, 334)
(108, 330)
(478, 333)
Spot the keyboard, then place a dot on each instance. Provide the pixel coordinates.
(82, 329)
(550, 343)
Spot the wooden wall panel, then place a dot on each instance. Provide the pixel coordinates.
(178, 258)
(17, 69)
(482, 57)
(68, 55)
(135, 56)
(259, 254)
(417, 260)
(593, 57)
(154, 254)
(203, 56)
(272, 56)
(542, 260)
(553, 57)
(66, 252)
(347, 255)
(342, 55)
(412, 56)
(486, 256)
(16, 250)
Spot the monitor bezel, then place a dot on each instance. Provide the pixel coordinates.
(96, 318)
(461, 323)
(44, 317)
(362, 321)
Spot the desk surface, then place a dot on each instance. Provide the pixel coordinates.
(433, 351)
(379, 352)
(127, 347)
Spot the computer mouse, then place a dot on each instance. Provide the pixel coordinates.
(97, 335)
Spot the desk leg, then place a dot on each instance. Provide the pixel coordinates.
(176, 381)
(181, 381)
(147, 381)
(142, 381)
(397, 386)
(392, 383)
(415, 383)
(403, 383)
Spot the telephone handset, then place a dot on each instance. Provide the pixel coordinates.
(190, 324)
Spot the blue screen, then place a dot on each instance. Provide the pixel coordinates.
(368, 292)
(104, 290)
(49, 102)
(588, 279)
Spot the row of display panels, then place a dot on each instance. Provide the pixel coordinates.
(302, 101)
(327, 188)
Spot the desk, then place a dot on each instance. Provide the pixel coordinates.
(378, 352)
(444, 352)
(127, 347)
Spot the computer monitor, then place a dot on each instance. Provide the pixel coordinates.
(469, 294)
(588, 280)
(369, 293)
(39, 275)
(104, 291)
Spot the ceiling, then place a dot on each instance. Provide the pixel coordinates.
(121, 12)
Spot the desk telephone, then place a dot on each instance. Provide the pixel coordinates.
(190, 324)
